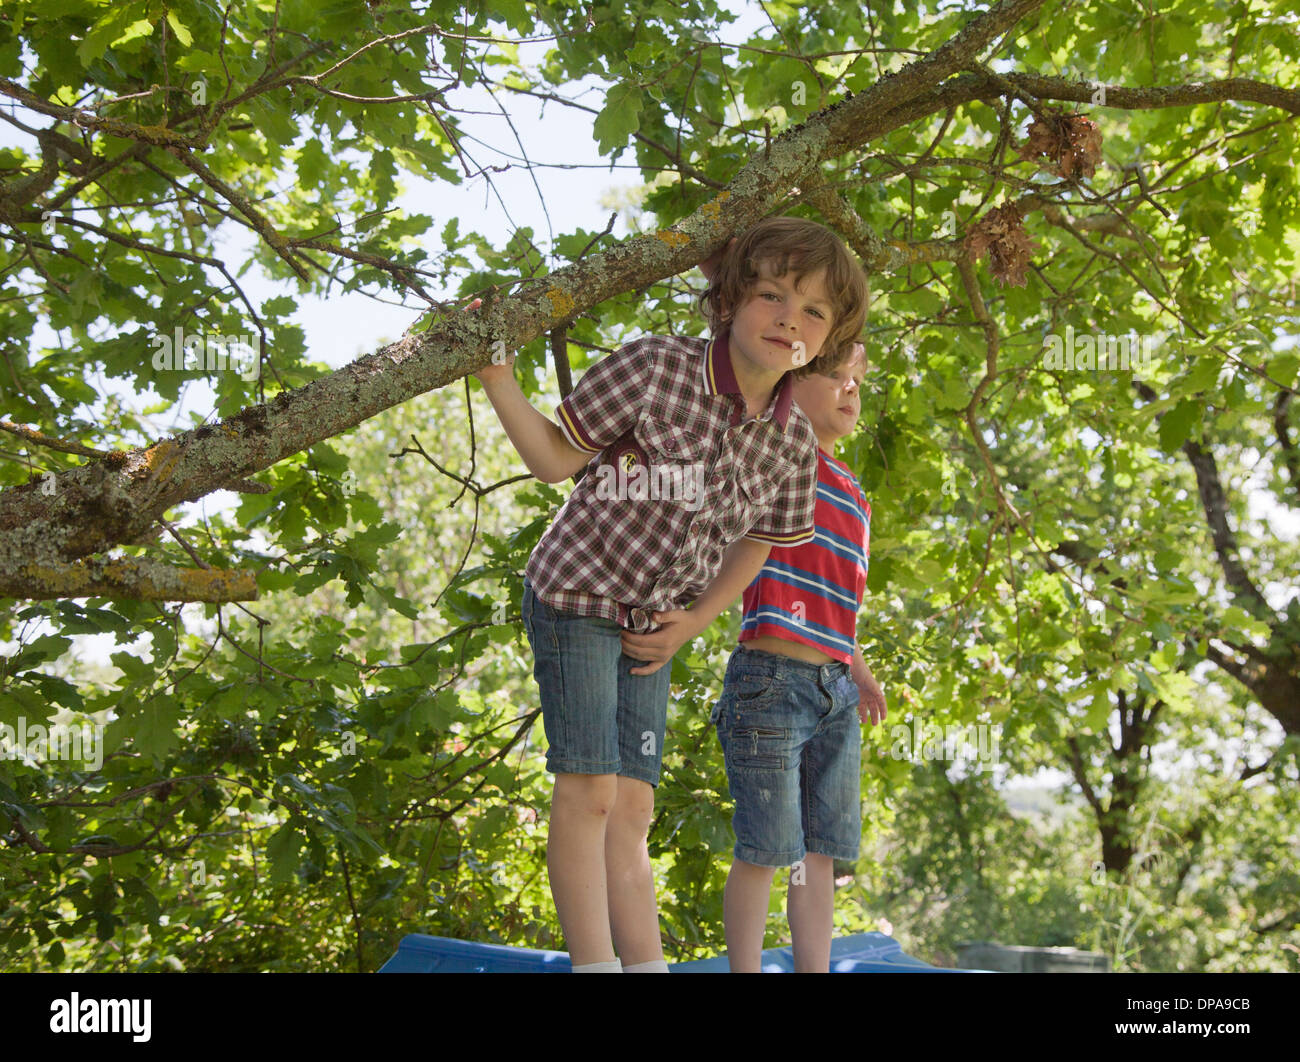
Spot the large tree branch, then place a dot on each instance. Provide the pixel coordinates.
(142, 580)
(1157, 96)
(1290, 455)
(877, 255)
(1080, 772)
(1215, 504)
(1276, 687)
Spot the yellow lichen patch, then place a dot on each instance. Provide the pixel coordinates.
(161, 459)
(124, 573)
(673, 239)
(215, 584)
(713, 207)
(49, 578)
(123, 577)
(561, 302)
(907, 250)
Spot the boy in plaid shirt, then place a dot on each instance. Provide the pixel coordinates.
(699, 464)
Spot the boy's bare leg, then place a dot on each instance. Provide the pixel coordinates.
(810, 907)
(633, 911)
(744, 914)
(575, 862)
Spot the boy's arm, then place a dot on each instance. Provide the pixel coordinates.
(743, 560)
(740, 564)
(871, 700)
(546, 452)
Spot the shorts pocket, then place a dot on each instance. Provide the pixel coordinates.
(750, 693)
(762, 747)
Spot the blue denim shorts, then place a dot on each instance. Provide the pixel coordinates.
(599, 718)
(793, 744)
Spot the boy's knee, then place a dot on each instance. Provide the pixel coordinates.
(587, 794)
(634, 808)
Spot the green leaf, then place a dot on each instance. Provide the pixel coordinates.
(1285, 369)
(619, 118)
(1176, 425)
(283, 850)
(1204, 373)
(1098, 709)
(155, 727)
(119, 26)
(183, 35)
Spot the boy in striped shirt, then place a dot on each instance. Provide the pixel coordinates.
(786, 717)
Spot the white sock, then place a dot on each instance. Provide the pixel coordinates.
(653, 966)
(613, 966)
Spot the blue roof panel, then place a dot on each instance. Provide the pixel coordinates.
(420, 953)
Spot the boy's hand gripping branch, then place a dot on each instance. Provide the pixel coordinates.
(541, 444)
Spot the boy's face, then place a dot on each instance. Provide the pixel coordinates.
(777, 315)
(833, 401)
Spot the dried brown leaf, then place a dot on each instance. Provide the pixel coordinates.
(1068, 145)
(1001, 232)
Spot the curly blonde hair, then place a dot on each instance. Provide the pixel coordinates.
(805, 246)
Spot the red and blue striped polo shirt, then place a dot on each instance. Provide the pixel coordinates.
(811, 593)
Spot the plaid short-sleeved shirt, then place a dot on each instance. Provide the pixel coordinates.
(680, 473)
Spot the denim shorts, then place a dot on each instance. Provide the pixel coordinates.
(793, 744)
(599, 719)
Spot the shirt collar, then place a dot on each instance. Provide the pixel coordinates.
(720, 379)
